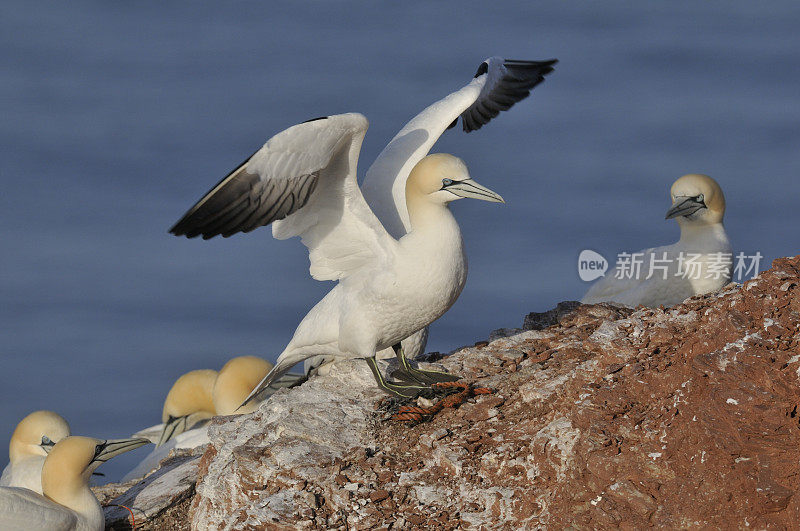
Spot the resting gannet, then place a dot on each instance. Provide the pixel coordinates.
(189, 402)
(700, 262)
(67, 503)
(201, 394)
(196, 397)
(278, 180)
(304, 180)
(30, 443)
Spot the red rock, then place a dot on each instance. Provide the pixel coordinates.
(379, 495)
(674, 418)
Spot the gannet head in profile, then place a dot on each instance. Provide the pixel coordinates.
(697, 200)
(189, 401)
(442, 178)
(36, 435)
(66, 471)
(235, 382)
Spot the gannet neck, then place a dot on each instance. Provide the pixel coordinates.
(31, 436)
(702, 235)
(235, 381)
(65, 474)
(426, 214)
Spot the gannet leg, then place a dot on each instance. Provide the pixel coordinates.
(410, 374)
(402, 390)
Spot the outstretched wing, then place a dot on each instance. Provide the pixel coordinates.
(304, 182)
(497, 85)
(507, 82)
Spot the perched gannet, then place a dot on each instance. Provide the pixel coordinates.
(388, 289)
(496, 86)
(30, 443)
(700, 262)
(67, 503)
(280, 179)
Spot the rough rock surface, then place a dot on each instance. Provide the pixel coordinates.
(159, 502)
(603, 417)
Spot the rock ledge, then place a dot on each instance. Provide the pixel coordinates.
(602, 417)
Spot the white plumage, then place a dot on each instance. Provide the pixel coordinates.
(700, 262)
(304, 180)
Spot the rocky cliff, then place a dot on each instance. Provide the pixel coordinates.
(601, 417)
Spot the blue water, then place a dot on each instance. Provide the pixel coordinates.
(116, 117)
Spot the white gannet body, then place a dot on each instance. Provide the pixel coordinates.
(30, 443)
(700, 262)
(230, 207)
(304, 180)
(67, 502)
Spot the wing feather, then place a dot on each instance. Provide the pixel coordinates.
(497, 86)
(507, 82)
(256, 192)
(303, 181)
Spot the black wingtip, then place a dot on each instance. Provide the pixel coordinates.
(520, 78)
(315, 119)
(482, 69)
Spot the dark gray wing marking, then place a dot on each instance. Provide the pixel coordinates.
(242, 202)
(515, 85)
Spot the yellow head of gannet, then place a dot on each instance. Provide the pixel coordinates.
(235, 382)
(65, 477)
(189, 401)
(71, 462)
(32, 439)
(697, 200)
(36, 434)
(442, 178)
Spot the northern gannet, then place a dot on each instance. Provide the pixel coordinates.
(30, 443)
(247, 198)
(189, 402)
(188, 405)
(496, 86)
(196, 397)
(304, 180)
(67, 502)
(700, 262)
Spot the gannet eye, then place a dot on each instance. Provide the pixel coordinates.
(700, 198)
(46, 441)
(446, 182)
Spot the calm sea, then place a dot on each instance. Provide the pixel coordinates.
(117, 116)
